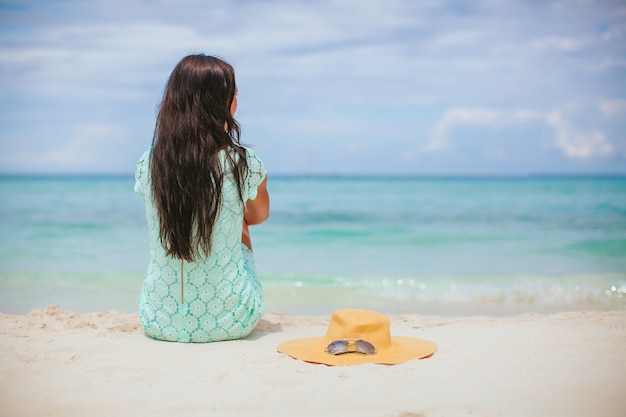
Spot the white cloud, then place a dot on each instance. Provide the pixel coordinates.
(573, 142)
(93, 148)
(556, 43)
(488, 118)
(577, 144)
(106, 59)
(613, 108)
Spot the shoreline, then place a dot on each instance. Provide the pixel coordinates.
(61, 363)
(311, 300)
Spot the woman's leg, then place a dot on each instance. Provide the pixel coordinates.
(245, 236)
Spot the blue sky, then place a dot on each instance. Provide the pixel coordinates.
(325, 87)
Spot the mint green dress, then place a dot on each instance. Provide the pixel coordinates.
(219, 298)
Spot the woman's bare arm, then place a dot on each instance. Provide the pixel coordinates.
(258, 210)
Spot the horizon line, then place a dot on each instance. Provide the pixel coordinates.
(330, 175)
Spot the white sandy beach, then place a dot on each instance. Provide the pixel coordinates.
(59, 363)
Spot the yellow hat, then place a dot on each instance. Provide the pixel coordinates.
(358, 336)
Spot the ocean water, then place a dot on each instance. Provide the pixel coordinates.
(445, 246)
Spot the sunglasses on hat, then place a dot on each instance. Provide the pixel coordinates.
(341, 346)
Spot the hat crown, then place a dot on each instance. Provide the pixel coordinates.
(360, 324)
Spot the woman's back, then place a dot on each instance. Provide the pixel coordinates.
(217, 298)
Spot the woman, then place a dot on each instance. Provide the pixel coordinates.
(202, 190)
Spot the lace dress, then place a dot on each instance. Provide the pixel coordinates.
(215, 299)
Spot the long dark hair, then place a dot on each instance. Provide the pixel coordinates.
(194, 123)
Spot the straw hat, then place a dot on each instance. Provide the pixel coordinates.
(358, 336)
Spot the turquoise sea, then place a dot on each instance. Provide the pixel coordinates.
(444, 246)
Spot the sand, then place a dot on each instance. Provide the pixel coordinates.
(60, 363)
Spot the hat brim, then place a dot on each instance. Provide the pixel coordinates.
(402, 349)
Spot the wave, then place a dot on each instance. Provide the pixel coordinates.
(408, 293)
